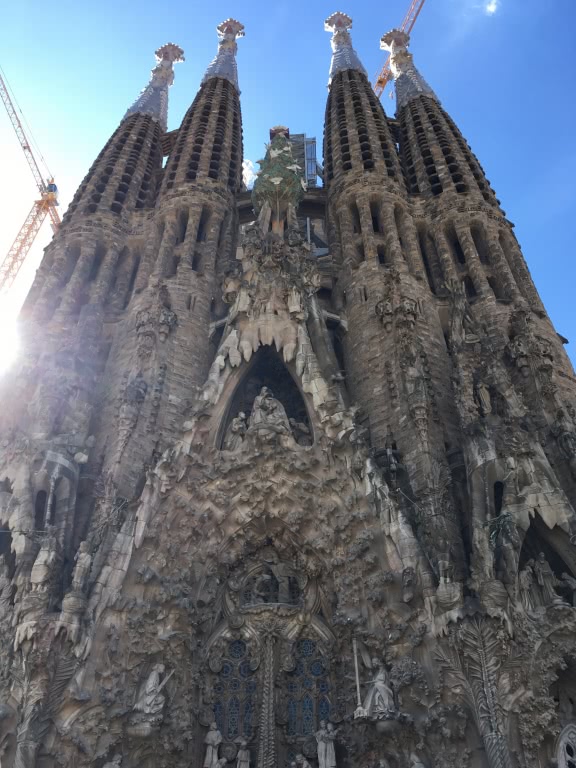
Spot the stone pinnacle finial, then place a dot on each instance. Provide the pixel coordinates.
(408, 81)
(224, 63)
(153, 100)
(343, 54)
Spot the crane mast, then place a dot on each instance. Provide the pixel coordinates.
(44, 206)
(383, 77)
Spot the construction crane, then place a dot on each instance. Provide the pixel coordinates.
(44, 206)
(383, 77)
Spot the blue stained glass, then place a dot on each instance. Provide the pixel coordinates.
(323, 686)
(226, 670)
(292, 717)
(299, 670)
(237, 649)
(218, 688)
(251, 686)
(244, 668)
(305, 647)
(234, 684)
(219, 715)
(248, 713)
(323, 709)
(316, 667)
(292, 687)
(233, 717)
(307, 683)
(307, 715)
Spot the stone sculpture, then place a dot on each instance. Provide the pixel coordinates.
(546, 580)
(268, 418)
(526, 586)
(380, 698)
(212, 740)
(81, 571)
(236, 431)
(243, 756)
(150, 699)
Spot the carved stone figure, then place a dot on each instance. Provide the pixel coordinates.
(546, 580)
(526, 586)
(81, 572)
(380, 697)
(243, 756)
(301, 761)
(42, 570)
(235, 434)
(564, 432)
(6, 588)
(322, 742)
(330, 746)
(212, 740)
(150, 699)
(415, 761)
(301, 432)
(268, 417)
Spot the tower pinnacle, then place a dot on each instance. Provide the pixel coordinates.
(408, 81)
(224, 63)
(343, 54)
(153, 100)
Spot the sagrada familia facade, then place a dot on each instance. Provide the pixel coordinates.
(287, 477)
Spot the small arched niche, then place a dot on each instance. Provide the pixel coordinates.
(267, 369)
(554, 544)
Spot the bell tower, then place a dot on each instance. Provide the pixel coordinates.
(267, 503)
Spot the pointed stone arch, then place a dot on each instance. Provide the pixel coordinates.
(265, 368)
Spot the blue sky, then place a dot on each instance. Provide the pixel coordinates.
(504, 69)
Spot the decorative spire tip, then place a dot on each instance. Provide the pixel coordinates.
(224, 64)
(343, 54)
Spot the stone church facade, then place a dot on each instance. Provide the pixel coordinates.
(287, 477)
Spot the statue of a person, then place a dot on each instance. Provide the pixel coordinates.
(150, 698)
(268, 415)
(235, 434)
(380, 697)
(526, 586)
(6, 588)
(322, 742)
(301, 432)
(243, 757)
(330, 746)
(301, 761)
(81, 572)
(45, 560)
(213, 740)
(546, 580)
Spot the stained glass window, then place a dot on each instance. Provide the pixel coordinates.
(308, 690)
(234, 692)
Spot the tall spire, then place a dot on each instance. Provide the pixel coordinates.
(408, 81)
(224, 63)
(343, 54)
(153, 100)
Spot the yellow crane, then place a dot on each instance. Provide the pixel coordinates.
(383, 77)
(44, 206)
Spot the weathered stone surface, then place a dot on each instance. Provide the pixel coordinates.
(263, 505)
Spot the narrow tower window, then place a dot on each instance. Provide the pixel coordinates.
(202, 232)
